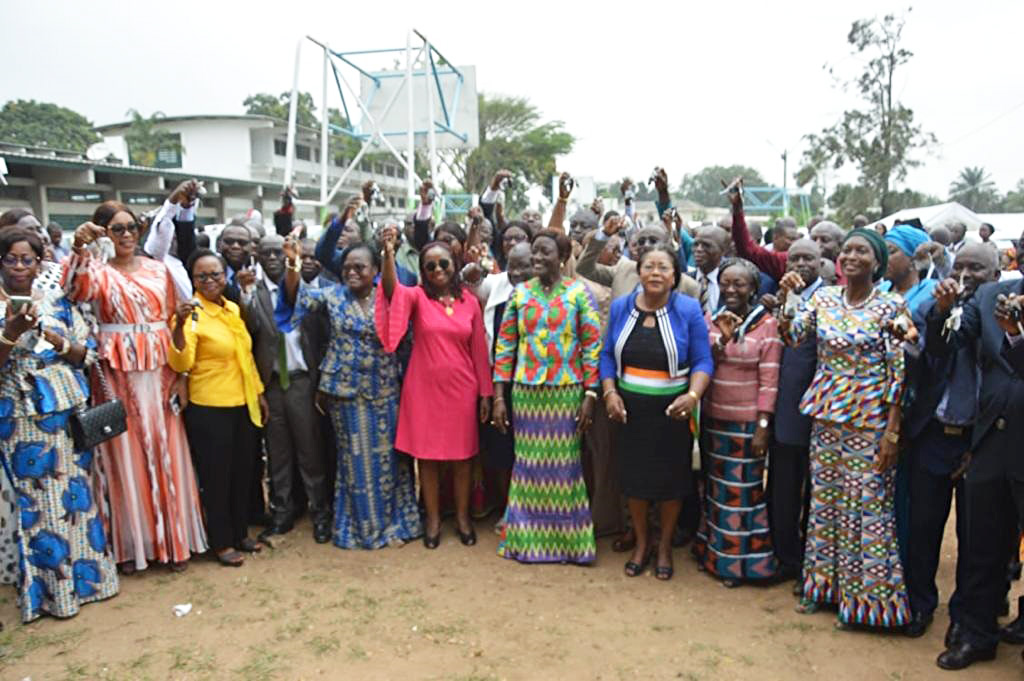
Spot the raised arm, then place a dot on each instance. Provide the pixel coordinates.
(293, 267)
(587, 266)
(421, 220)
(771, 263)
(565, 185)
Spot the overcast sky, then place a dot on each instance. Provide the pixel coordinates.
(690, 85)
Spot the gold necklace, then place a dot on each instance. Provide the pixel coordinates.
(448, 302)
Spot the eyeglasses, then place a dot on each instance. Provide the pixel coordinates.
(647, 241)
(234, 241)
(443, 263)
(649, 267)
(358, 268)
(209, 276)
(11, 260)
(118, 230)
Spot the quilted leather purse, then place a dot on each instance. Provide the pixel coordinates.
(92, 425)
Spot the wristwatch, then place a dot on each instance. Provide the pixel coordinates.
(762, 422)
(893, 437)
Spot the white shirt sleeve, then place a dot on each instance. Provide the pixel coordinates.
(161, 232)
(490, 195)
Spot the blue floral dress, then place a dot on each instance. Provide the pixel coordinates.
(63, 556)
(374, 502)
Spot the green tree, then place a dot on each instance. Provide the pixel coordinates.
(975, 189)
(881, 137)
(705, 186)
(266, 104)
(41, 124)
(1014, 201)
(146, 142)
(512, 136)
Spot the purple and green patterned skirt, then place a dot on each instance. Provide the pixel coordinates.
(548, 516)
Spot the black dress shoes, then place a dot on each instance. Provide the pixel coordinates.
(1013, 633)
(917, 625)
(277, 527)
(322, 531)
(953, 634)
(963, 655)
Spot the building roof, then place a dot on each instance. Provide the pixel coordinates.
(60, 158)
(195, 117)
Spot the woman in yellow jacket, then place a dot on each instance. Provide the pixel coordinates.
(226, 404)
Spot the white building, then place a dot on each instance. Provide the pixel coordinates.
(240, 158)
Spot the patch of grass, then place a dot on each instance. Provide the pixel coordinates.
(321, 645)
(357, 652)
(20, 642)
(261, 665)
(290, 630)
(77, 671)
(193, 660)
(662, 627)
(140, 662)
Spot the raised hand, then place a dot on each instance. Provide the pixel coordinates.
(1008, 313)
(86, 233)
(734, 190)
(727, 322)
(791, 281)
(499, 178)
(945, 294)
(367, 190)
(427, 192)
(769, 302)
(661, 181)
(245, 278)
(614, 225)
(598, 207)
(17, 323)
(565, 185)
(185, 193)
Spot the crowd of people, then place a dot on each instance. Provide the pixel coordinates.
(800, 405)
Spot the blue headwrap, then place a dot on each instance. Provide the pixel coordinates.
(907, 238)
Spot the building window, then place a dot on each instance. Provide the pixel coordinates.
(401, 172)
(366, 166)
(141, 199)
(14, 193)
(378, 168)
(57, 194)
(389, 170)
(316, 155)
(102, 178)
(340, 160)
(163, 157)
(70, 221)
(280, 148)
(302, 152)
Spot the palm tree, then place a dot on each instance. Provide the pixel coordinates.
(974, 189)
(145, 140)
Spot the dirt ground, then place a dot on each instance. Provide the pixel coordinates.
(306, 611)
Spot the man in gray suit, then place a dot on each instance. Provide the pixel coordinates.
(287, 362)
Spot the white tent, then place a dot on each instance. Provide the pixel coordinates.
(1009, 226)
(934, 216)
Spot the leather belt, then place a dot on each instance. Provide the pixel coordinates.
(954, 431)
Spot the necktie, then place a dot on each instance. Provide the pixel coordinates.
(703, 291)
(282, 363)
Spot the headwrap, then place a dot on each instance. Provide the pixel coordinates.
(877, 244)
(907, 238)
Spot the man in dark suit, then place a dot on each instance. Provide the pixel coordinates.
(788, 469)
(938, 427)
(994, 480)
(287, 362)
(235, 244)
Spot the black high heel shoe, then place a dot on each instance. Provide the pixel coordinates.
(432, 542)
(467, 538)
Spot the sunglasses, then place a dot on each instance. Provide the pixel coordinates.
(234, 241)
(118, 230)
(648, 241)
(443, 264)
(209, 276)
(11, 260)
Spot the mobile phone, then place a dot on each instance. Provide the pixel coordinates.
(19, 303)
(175, 403)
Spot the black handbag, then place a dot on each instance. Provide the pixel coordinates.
(92, 425)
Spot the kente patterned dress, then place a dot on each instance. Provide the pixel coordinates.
(852, 556)
(548, 347)
(146, 473)
(734, 541)
(374, 498)
(64, 559)
(438, 417)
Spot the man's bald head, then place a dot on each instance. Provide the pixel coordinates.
(828, 236)
(709, 245)
(941, 235)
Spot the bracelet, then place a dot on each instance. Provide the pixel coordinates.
(498, 398)
(4, 340)
(295, 265)
(694, 395)
(590, 393)
(608, 392)
(65, 347)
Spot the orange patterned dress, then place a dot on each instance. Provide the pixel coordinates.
(146, 474)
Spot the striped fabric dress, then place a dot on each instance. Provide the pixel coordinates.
(734, 540)
(146, 473)
(549, 343)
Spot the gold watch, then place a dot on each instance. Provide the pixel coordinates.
(893, 437)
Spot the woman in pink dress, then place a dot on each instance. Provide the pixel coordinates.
(448, 371)
(146, 473)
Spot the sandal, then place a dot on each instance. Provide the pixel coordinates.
(127, 568)
(179, 567)
(664, 572)
(634, 569)
(250, 545)
(806, 607)
(230, 558)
